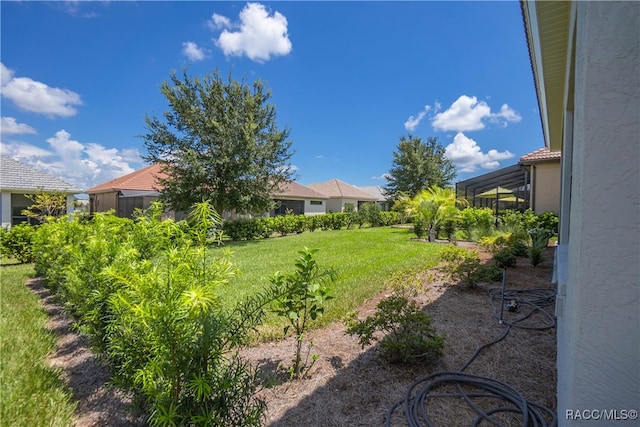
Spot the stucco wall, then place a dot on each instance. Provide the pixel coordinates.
(599, 309)
(310, 209)
(547, 187)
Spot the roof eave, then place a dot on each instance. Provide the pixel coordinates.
(547, 29)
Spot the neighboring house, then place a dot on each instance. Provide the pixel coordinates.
(586, 65)
(18, 179)
(139, 189)
(298, 199)
(544, 177)
(136, 190)
(534, 181)
(514, 178)
(378, 193)
(340, 193)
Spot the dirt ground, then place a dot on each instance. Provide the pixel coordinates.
(350, 386)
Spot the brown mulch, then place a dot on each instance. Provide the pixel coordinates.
(347, 385)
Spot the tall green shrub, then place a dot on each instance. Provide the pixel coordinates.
(303, 294)
(17, 242)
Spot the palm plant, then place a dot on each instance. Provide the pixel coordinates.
(434, 206)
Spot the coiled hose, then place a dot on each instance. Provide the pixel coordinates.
(471, 388)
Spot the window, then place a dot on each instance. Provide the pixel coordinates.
(316, 202)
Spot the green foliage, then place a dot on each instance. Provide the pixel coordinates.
(548, 221)
(371, 213)
(472, 217)
(220, 142)
(408, 334)
(539, 241)
(146, 293)
(418, 165)
(352, 215)
(17, 242)
(419, 227)
(505, 258)
(462, 265)
(435, 206)
(46, 205)
(302, 295)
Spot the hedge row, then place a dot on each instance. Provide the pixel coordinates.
(265, 227)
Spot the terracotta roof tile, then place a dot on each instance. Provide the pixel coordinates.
(143, 179)
(540, 155)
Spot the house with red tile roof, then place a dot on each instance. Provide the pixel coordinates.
(534, 181)
(139, 189)
(543, 166)
(340, 193)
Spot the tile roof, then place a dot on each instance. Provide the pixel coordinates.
(375, 191)
(293, 189)
(540, 155)
(335, 188)
(15, 175)
(143, 179)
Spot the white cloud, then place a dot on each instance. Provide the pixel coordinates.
(468, 114)
(83, 165)
(467, 155)
(219, 22)
(413, 122)
(36, 97)
(9, 126)
(260, 35)
(192, 51)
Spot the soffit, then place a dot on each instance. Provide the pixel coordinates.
(553, 33)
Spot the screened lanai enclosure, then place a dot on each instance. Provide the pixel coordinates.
(511, 186)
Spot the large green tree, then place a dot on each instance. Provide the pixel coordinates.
(418, 165)
(218, 142)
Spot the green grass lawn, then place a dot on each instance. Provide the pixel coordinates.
(31, 393)
(363, 258)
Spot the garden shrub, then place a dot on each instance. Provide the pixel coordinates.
(17, 242)
(480, 219)
(462, 265)
(539, 241)
(504, 258)
(419, 227)
(408, 336)
(302, 295)
(153, 310)
(548, 220)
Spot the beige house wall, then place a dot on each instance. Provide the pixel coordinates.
(546, 185)
(598, 304)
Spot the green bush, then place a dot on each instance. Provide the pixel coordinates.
(419, 227)
(146, 293)
(476, 218)
(462, 265)
(17, 242)
(505, 258)
(301, 298)
(548, 221)
(408, 334)
(539, 241)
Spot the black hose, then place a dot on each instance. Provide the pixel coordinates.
(470, 388)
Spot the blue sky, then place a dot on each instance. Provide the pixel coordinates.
(348, 78)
